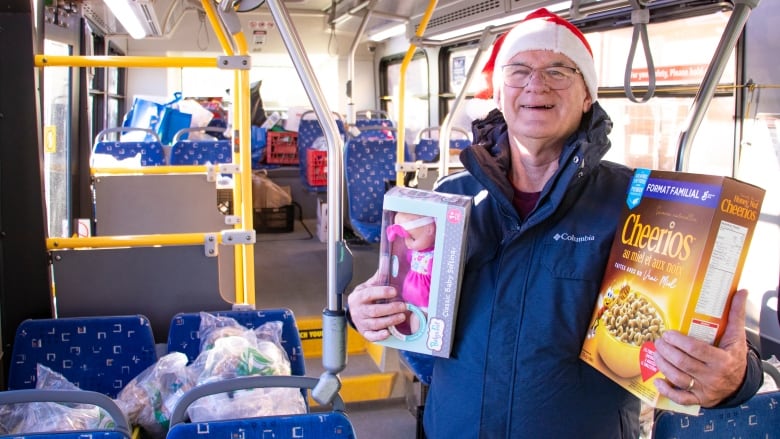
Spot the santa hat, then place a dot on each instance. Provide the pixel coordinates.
(542, 30)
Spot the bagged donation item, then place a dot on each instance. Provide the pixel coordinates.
(163, 118)
(675, 263)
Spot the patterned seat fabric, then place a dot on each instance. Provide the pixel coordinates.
(310, 137)
(369, 167)
(759, 417)
(427, 150)
(151, 152)
(314, 426)
(201, 152)
(101, 354)
(322, 424)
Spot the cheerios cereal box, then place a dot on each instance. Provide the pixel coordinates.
(675, 263)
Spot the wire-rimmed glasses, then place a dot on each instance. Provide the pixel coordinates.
(556, 77)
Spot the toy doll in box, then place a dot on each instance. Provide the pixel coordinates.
(419, 235)
(421, 256)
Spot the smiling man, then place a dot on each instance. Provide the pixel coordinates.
(537, 175)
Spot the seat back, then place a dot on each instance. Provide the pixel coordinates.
(758, 418)
(369, 164)
(184, 336)
(151, 153)
(200, 152)
(101, 354)
(119, 429)
(311, 137)
(427, 143)
(325, 424)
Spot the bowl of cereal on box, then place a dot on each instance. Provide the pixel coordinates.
(629, 322)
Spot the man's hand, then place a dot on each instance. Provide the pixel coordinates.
(698, 373)
(373, 310)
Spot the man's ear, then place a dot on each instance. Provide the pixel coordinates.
(586, 104)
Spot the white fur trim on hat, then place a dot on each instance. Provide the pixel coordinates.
(543, 30)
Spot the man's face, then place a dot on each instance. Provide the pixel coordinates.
(537, 113)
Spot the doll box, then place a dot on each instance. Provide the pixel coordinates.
(436, 270)
(675, 263)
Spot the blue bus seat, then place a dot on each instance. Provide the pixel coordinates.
(100, 354)
(119, 430)
(151, 153)
(200, 152)
(427, 143)
(309, 131)
(326, 424)
(377, 125)
(758, 418)
(184, 337)
(369, 164)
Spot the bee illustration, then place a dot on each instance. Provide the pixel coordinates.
(605, 301)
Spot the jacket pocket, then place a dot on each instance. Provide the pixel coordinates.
(577, 257)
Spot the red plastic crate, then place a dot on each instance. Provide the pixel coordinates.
(317, 167)
(282, 147)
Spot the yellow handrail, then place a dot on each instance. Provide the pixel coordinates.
(216, 25)
(159, 170)
(243, 191)
(124, 61)
(244, 254)
(131, 240)
(399, 177)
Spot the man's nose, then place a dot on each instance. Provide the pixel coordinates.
(537, 78)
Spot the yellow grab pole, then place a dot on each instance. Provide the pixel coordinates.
(131, 240)
(160, 170)
(399, 176)
(216, 24)
(124, 61)
(244, 185)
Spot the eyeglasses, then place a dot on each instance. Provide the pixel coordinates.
(556, 77)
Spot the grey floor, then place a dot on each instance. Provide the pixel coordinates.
(301, 286)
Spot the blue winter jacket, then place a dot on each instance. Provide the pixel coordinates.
(527, 296)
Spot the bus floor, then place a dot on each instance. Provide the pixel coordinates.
(291, 269)
(291, 272)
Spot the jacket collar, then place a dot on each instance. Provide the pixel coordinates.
(488, 159)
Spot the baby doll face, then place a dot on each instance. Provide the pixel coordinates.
(419, 238)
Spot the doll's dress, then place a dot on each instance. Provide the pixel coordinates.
(417, 284)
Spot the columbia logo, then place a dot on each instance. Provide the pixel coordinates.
(573, 238)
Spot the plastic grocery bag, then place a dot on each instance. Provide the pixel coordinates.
(230, 350)
(40, 417)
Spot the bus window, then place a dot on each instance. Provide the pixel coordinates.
(107, 90)
(281, 87)
(56, 138)
(416, 108)
(646, 134)
(458, 61)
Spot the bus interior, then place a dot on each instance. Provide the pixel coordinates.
(286, 88)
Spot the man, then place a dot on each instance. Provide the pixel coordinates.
(535, 172)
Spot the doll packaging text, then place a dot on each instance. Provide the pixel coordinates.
(421, 254)
(675, 263)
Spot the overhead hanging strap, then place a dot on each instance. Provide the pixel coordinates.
(640, 16)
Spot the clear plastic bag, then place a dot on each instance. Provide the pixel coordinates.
(39, 417)
(229, 350)
(149, 399)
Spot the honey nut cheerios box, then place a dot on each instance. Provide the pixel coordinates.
(675, 263)
(421, 254)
